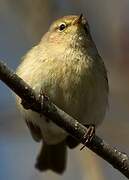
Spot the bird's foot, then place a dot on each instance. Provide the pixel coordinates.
(42, 97)
(88, 135)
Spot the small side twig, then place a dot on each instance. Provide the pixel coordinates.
(116, 158)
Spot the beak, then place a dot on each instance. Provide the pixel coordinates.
(78, 20)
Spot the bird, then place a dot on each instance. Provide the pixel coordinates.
(65, 65)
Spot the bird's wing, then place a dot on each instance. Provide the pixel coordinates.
(103, 69)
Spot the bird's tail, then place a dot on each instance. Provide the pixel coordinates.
(52, 157)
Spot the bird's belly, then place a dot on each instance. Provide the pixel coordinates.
(51, 133)
(79, 93)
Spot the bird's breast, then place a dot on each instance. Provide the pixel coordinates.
(73, 82)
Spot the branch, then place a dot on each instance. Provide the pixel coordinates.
(116, 158)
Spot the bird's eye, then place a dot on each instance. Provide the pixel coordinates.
(62, 26)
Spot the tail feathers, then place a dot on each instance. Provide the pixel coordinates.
(52, 157)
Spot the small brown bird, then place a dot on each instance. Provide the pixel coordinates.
(66, 65)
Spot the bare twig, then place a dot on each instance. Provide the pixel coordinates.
(116, 158)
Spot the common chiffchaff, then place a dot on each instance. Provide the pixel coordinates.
(65, 65)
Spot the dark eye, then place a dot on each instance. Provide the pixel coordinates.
(62, 26)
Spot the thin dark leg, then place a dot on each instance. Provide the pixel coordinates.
(42, 96)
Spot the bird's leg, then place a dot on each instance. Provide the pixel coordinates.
(42, 98)
(88, 135)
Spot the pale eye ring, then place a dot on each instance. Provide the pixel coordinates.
(62, 26)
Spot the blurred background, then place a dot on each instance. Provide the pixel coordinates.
(22, 24)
